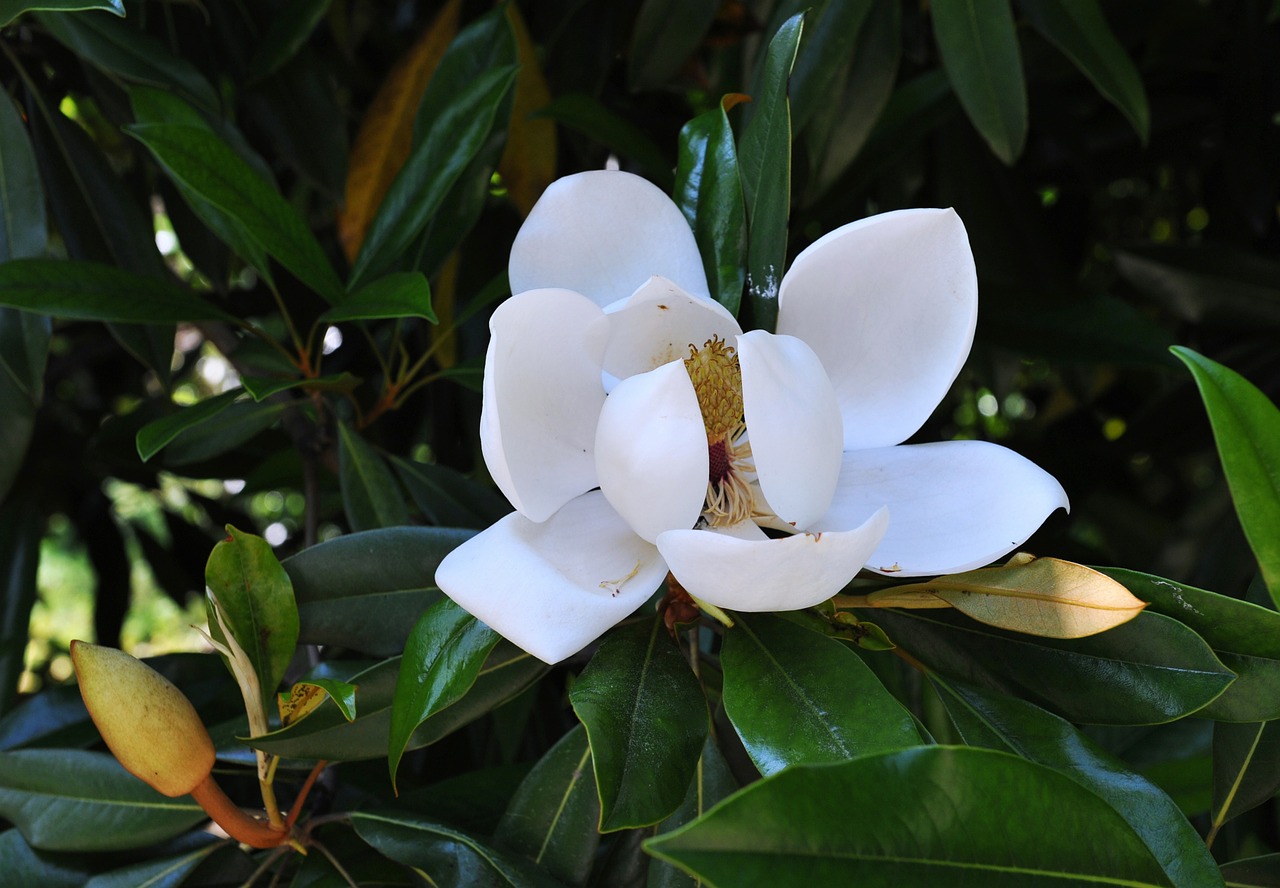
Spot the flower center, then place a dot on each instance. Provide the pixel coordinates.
(717, 381)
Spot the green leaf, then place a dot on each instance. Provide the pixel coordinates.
(1244, 636)
(795, 696)
(666, 34)
(1080, 31)
(712, 782)
(647, 719)
(288, 32)
(456, 114)
(89, 291)
(449, 857)
(21, 527)
(11, 9)
(831, 33)
(325, 734)
(261, 387)
(205, 165)
(403, 295)
(155, 435)
(708, 191)
(1246, 768)
(1253, 872)
(343, 695)
(23, 227)
(1011, 725)
(447, 497)
(117, 47)
(255, 597)
(925, 816)
(162, 872)
(24, 344)
(764, 160)
(441, 661)
(365, 590)
(552, 817)
(1149, 671)
(979, 50)
(73, 800)
(370, 496)
(228, 429)
(24, 867)
(592, 118)
(1246, 427)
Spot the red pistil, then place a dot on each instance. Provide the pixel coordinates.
(719, 464)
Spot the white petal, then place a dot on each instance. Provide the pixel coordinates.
(956, 505)
(542, 397)
(889, 303)
(651, 451)
(769, 575)
(658, 323)
(793, 421)
(604, 233)
(555, 587)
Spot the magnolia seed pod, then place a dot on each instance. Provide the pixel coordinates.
(147, 723)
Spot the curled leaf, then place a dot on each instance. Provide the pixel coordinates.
(306, 696)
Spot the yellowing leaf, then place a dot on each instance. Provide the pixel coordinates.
(386, 133)
(1040, 596)
(301, 700)
(528, 161)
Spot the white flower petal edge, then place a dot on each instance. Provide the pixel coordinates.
(889, 304)
(794, 425)
(769, 575)
(542, 395)
(602, 233)
(555, 587)
(956, 505)
(651, 451)
(658, 323)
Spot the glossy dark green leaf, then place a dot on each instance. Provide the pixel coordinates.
(365, 590)
(325, 734)
(23, 227)
(25, 867)
(155, 435)
(449, 857)
(1011, 725)
(1253, 872)
(256, 605)
(708, 191)
(830, 35)
(1244, 636)
(1205, 284)
(261, 388)
(11, 9)
(552, 817)
(160, 872)
(647, 720)
(1246, 768)
(21, 526)
(370, 496)
(1246, 427)
(839, 126)
(1080, 31)
(592, 118)
(666, 34)
(712, 782)
(289, 30)
(21, 334)
(447, 497)
(231, 427)
(455, 116)
(209, 167)
(73, 800)
(442, 658)
(117, 47)
(979, 48)
(89, 291)
(764, 159)
(796, 696)
(875, 821)
(1149, 671)
(403, 295)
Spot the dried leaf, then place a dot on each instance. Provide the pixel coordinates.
(1039, 596)
(528, 162)
(386, 133)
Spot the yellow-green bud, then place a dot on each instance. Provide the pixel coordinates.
(147, 723)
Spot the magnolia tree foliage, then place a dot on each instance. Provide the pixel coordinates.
(642, 439)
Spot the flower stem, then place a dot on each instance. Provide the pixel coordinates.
(239, 825)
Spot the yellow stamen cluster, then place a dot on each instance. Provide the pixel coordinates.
(717, 381)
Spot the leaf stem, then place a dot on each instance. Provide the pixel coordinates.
(239, 825)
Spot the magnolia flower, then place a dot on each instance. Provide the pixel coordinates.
(638, 430)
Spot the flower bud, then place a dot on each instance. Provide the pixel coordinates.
(147, 723)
